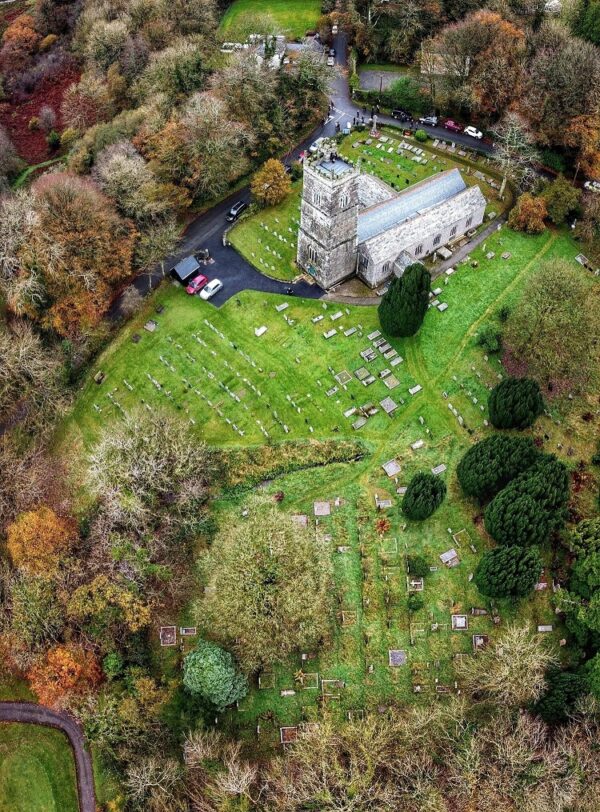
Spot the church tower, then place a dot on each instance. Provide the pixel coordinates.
(328, 236)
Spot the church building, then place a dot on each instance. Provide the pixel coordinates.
(353, 223)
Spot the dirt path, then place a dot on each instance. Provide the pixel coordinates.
(30, 713)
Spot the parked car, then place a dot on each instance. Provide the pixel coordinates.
(235, 211)
(334, 29)
(401, 115)
(592, 186)
(452, 126)
(432, 121)
(196, 284)
(332, 52)
(209, 290)
(316, 145)
(473, 132)
(330, 61)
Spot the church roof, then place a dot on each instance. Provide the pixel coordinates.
(387, 245)
(372, 190)
(388, 214)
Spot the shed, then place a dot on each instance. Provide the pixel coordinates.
(185, 269)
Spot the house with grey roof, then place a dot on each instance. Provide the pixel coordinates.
(352, 223)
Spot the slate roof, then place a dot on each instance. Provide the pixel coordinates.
(336, 167)
(420, 227)
(430, 192)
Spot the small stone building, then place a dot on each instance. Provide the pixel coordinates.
(355, 224)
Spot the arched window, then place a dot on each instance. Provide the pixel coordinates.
(344, 202)
(312, 253)
(316, 198)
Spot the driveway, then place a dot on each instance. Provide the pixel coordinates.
(30, 713)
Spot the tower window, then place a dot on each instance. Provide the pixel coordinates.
(453, 231)
(468, 223)
(344, 202)
(312, 253)
(419, 249)
(437, 239)
(316, 197)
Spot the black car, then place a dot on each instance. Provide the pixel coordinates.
(401, 115)
(235, 211)
(332, 52)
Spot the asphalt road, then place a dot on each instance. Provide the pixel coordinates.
(206, 231)
(29, 713)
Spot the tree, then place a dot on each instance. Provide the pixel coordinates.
(528, 214)
(105, 607)
(19, 42)
(563, 689)
(554, 326)
(531, 506)
(425, 493)
(515, 149)
(38, 539)
(515, 403)
(511, 671)
(489, 465)
(592, 673)
(35, 614)
(403, 306)
(271, 184)
(209, 671)
(562, 198)
(269, 588)
(585, 537)
(86, 103)
(64, 672)
(508, 572)
(9, 160)
(177, 71)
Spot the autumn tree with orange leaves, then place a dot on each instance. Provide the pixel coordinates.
(64, 672)
(38, 539)
(77, 250)
(19, 41)
(528, 214)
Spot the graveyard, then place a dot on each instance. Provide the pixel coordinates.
(268, 238)
(267, 370)
(294, 19)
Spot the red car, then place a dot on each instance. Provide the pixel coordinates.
(452, 126)
(196, 284)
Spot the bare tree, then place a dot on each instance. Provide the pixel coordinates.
(515, 151)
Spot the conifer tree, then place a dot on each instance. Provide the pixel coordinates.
(403, 306)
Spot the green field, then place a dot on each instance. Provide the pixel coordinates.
(37, 770)
(268, 238)
(293, 17)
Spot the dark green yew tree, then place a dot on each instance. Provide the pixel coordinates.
(403, 306)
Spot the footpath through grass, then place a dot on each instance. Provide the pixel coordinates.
(37, 770)
(293, 17)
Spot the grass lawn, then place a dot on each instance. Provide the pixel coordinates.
(37, 770)
(294, 17)
(268, 238)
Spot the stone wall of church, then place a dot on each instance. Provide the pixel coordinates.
(327, 239)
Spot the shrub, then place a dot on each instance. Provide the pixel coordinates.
(491, 464)
(296, 170)
(209, 671)
(415, 602)
(421, 135)
(515, 403)
(425, 493)
(33, 123)
(508, 572)
(112, 665)
(47, 43)
(417, 565)
(504, 314)
(490, 338)
(68, 137)
(403, 306)
(53, 139)
(563, 690)
(529, 214)
(562, 198)
(531, 506)
(553, 160)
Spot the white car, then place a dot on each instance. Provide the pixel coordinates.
(316, 145)
(334, 29)
(209, 290)
(473, 132)
(592, 186)
(330, 61)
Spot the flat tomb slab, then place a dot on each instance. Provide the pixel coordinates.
(396, 657)
(392, 468)
(391, 381)
(322, 508)
(361, 373)
(301, 519)
(388, 405)
(439, 469)
(168, 635)
(343, 377)
(460, 623)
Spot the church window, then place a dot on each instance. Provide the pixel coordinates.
(419, 249)
(312, 253)
(437, 239)
(468, 223)
(316, 197)
(453, 231)
(385, 267)
(344, 201)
